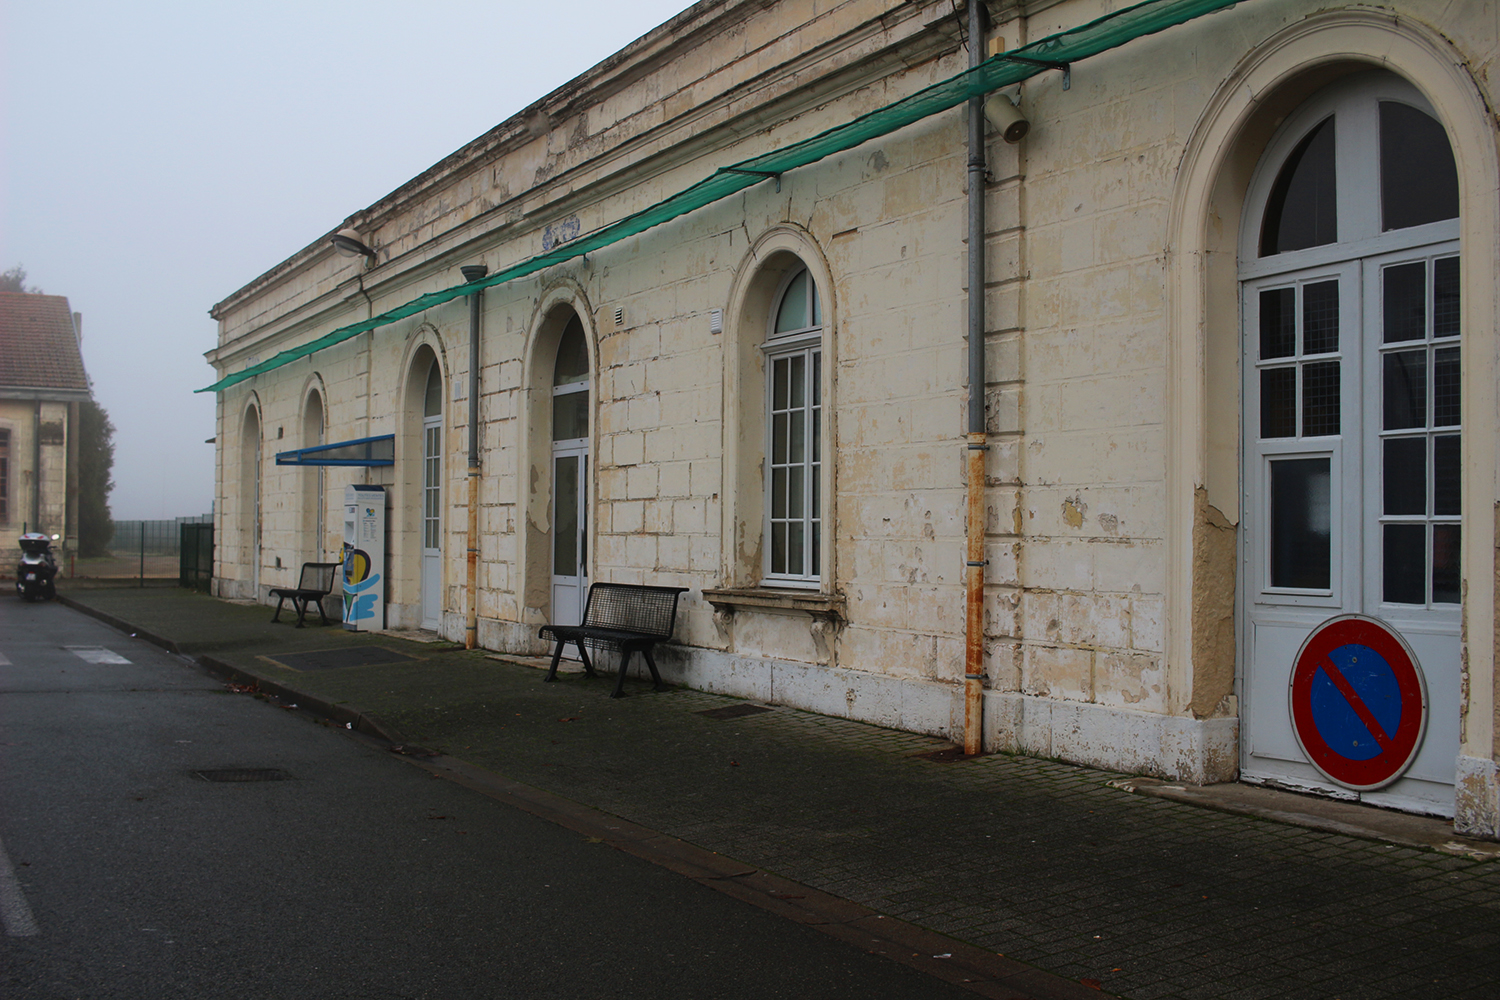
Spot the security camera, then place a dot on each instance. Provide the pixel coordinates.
(1007, 118)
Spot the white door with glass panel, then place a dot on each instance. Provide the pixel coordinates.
(432, 501)
(1351, 464)
(570, 463)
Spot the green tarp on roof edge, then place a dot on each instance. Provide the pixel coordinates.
(1001, 70)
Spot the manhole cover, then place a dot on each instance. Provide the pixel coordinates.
(335, 659)
(244, 774)
(733, 711)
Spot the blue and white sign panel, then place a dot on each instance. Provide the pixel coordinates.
(1358, 702)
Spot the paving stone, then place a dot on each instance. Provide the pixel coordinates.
(1026, 857)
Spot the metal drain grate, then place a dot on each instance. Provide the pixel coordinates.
(733, 711)
(244, 774)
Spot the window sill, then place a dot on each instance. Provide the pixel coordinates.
(829, 607)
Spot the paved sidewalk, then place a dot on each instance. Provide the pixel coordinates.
(1043, 862)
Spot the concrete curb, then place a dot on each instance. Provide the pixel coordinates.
(349, 716)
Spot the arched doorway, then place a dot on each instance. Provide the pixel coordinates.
(1349, 264)
(250, 494)
(570, 464)
(431, 529)
(314, 483)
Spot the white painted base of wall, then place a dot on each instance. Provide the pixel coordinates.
(1181, 749)
(1201, 751)
(1476, 796)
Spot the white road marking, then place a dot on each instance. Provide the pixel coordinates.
(96, 654)
(15, 914)
(3, 661)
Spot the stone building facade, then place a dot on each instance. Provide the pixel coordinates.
(42, 382)
(1204, 432)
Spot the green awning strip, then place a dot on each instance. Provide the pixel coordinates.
(1001, 70)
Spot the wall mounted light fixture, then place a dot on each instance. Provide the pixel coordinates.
(348, 243)
(1006, 117)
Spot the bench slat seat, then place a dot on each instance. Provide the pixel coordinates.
(313, 584)
(630, 617)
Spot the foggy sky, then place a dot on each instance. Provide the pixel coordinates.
(156, 156)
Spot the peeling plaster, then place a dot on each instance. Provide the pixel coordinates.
(1213, 610)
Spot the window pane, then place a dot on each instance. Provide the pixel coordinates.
(817, 555)
(779, 368)
(565, 519)
(572, 355)
(1445, 575)
(794, 556)
(1405, 569)
(432, 403)
(796, 437)
(778, 492)
(1405, 302)
(1301, 548)
(794, 491)
(1447, 476)
(1404, 470)
(1445, 297)
(1278, 323)
(798, 380)
(778, 439)
(1418, 178)
(1445, 391)
(1278, 403)
(1300, 212)
(817, 378)
(570, 416)
(1405, 390)
(1320, 398)
(1320, 318)
(778, 547)
(792, 314)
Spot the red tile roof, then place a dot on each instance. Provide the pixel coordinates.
(38, 346)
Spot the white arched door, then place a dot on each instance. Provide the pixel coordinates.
(432, 500)
(570, 485)
(1349, 280)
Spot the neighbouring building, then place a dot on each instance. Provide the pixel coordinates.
(1238, 371)
(42, 381)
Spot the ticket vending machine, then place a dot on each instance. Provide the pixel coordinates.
(364, 558)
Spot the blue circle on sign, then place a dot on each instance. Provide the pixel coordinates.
(1374, 681)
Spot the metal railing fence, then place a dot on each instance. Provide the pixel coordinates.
(196, 559)
(152, 538)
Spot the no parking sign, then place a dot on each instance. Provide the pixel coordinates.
(1358, 702)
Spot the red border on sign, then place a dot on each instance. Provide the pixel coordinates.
(1392, 762)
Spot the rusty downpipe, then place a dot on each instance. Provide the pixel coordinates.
(976, 442)
(472, 273)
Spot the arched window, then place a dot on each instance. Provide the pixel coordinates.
(794, 410)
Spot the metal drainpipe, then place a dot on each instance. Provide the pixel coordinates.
(473, 272)
(974, 577)
(36, 466)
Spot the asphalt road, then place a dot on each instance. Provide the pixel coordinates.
(126, 874)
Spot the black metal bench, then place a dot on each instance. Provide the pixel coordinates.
(629, 617)
(315, 583)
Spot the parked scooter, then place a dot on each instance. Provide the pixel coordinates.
(36, 574)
